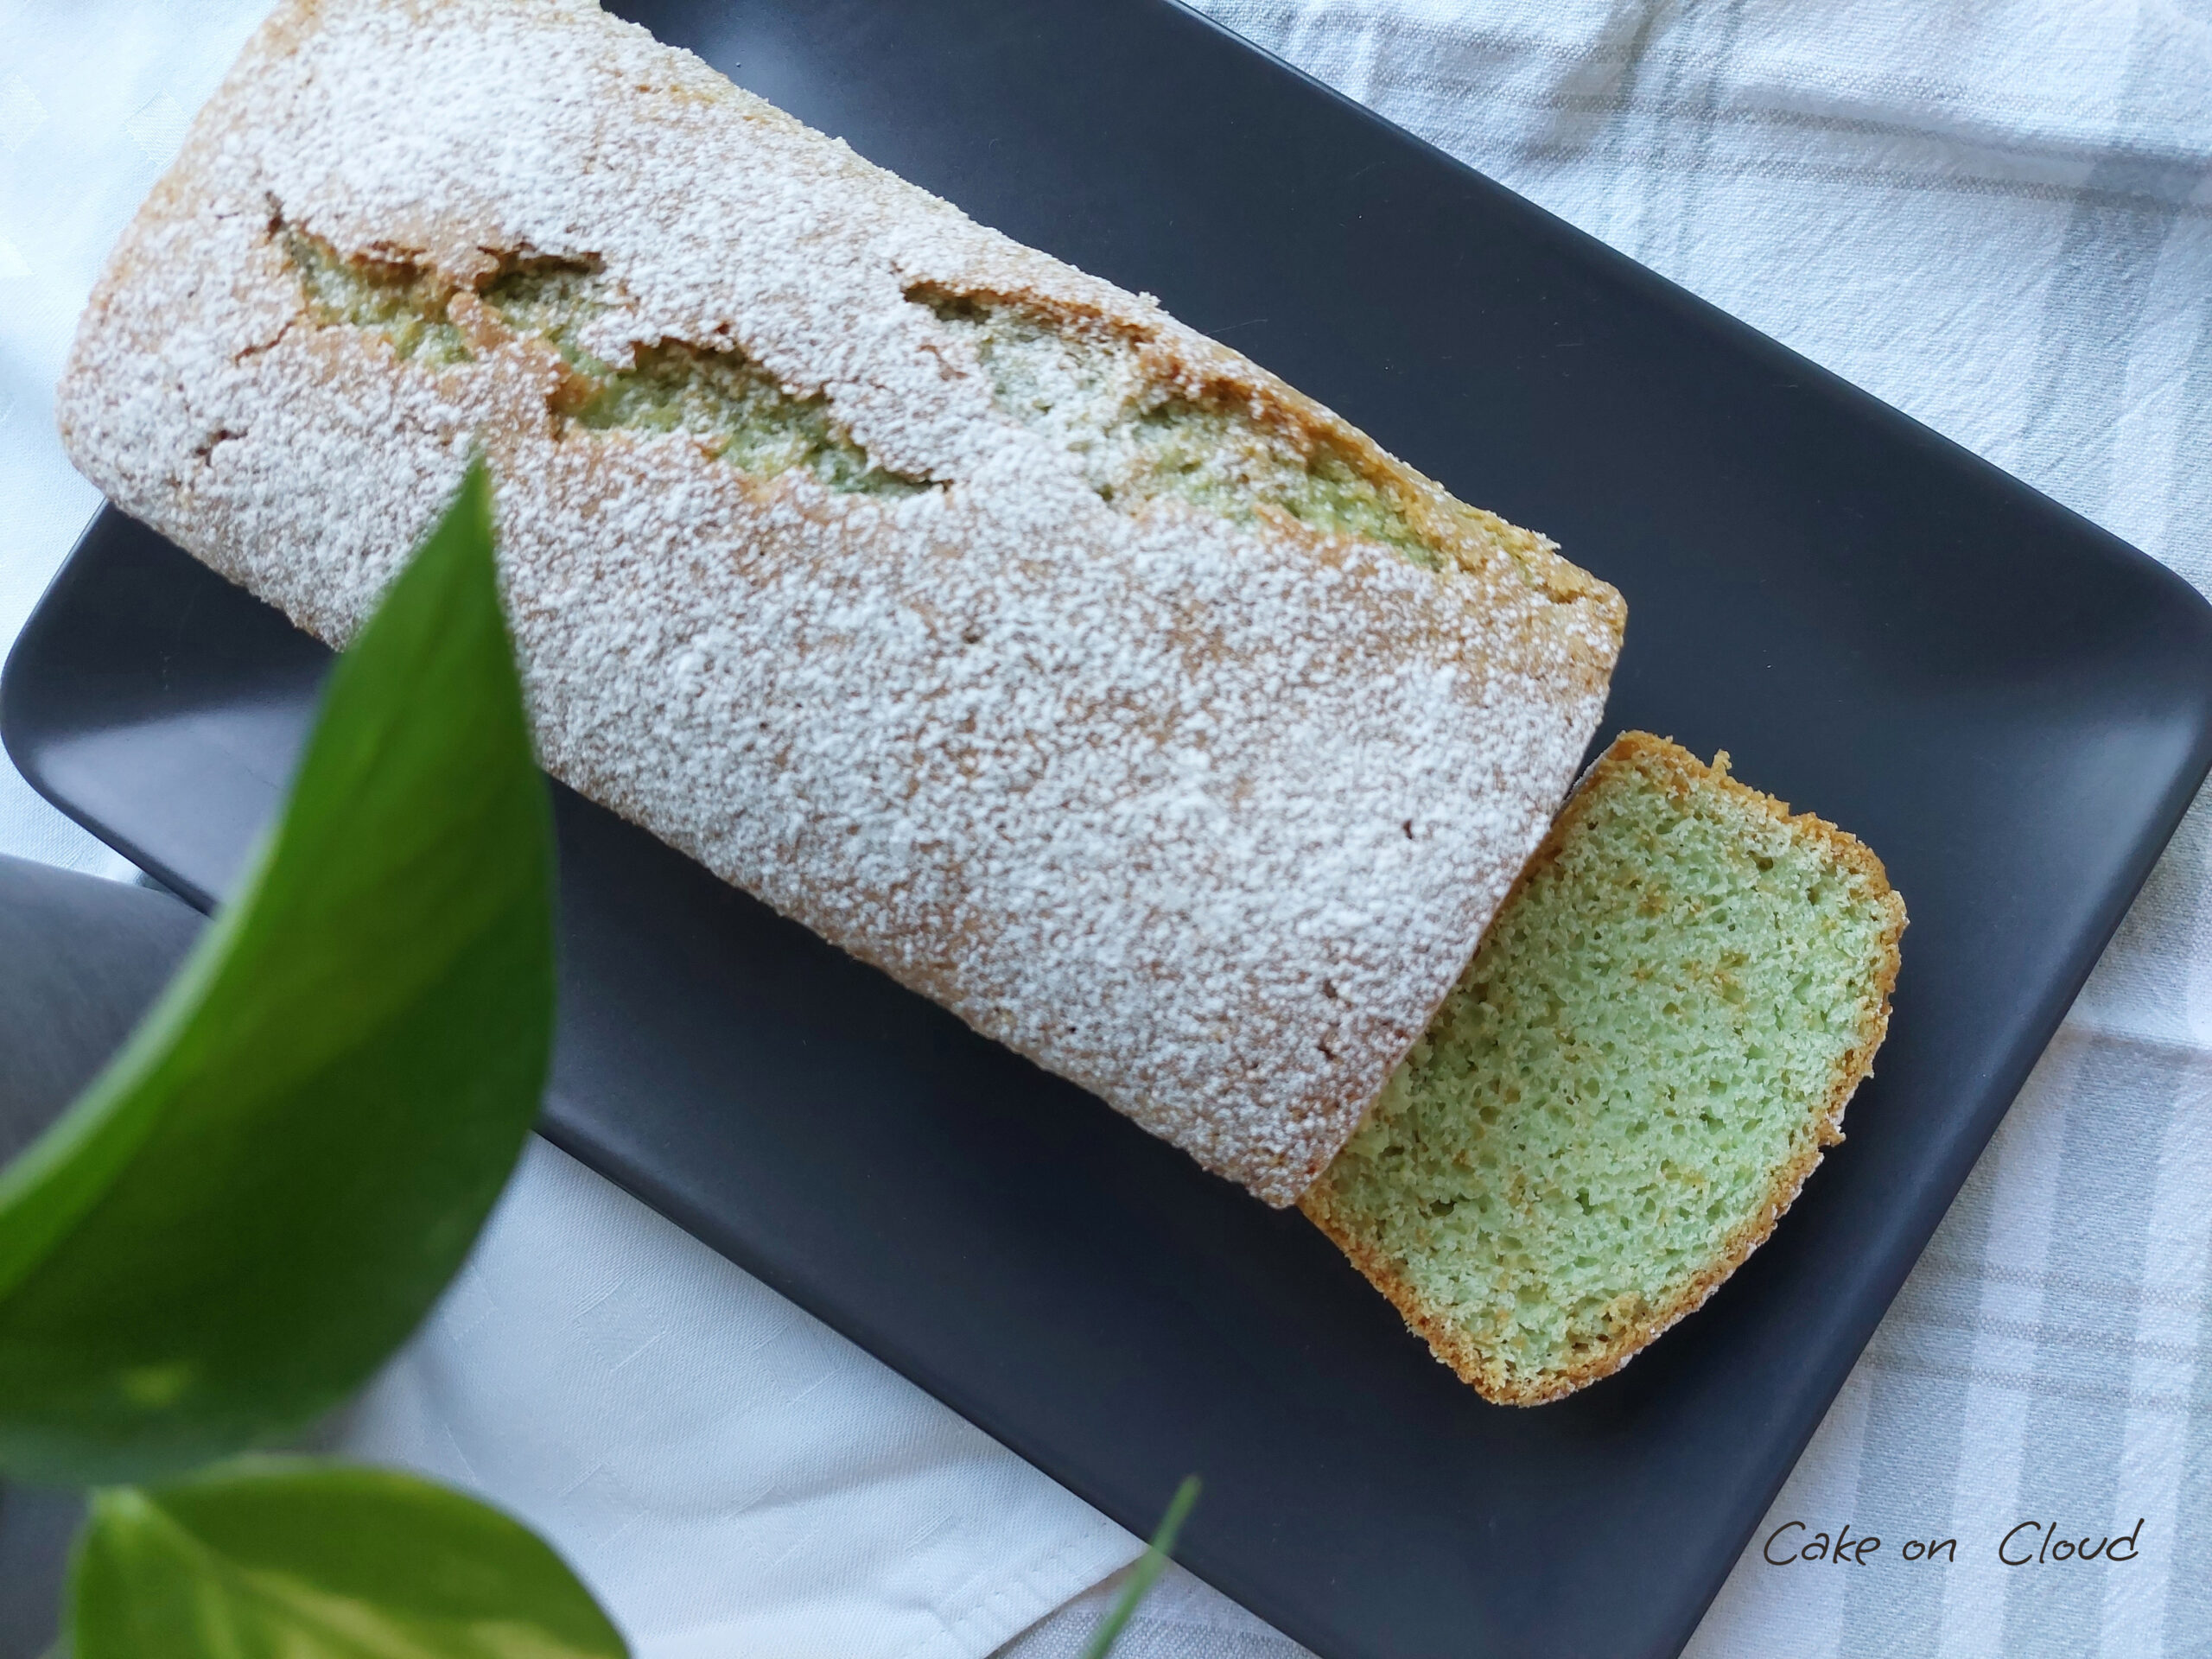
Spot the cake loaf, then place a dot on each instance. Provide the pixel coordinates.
(1630, 1083)
(1019, 640)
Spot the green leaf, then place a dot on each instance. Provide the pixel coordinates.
(295, 1560)
(267, 1188)
(1150, 1566)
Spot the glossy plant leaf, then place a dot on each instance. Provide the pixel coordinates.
(275, 1559)
(267, 1188)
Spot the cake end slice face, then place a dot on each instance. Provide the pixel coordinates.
(1014, 638)
(1630, 1082)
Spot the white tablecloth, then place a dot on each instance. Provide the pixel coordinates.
(1996, 214)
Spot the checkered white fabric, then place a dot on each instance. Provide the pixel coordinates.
(1996, 214)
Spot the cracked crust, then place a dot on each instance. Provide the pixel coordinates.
(1824, 1127)
(1136, 793)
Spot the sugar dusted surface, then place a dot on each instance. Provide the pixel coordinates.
(1206, 817)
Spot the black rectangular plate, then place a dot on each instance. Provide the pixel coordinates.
(2010, 705)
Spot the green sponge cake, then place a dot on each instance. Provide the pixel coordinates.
(1630, 1082)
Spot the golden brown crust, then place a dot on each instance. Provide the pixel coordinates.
(1669, 763)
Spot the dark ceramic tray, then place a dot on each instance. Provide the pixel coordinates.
(2010, 705)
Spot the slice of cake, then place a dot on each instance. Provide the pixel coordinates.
(1630, 1082)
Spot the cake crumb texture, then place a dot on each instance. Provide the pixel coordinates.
(1630, 1083)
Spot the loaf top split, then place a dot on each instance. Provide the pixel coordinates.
(970, 610)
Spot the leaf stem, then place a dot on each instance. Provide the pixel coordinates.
(1150, 1566)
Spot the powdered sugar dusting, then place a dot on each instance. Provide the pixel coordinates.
(1206, 816)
